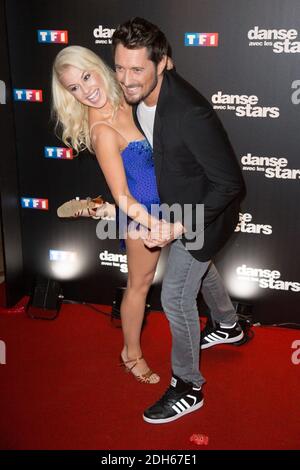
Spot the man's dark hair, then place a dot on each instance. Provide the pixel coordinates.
(138, 33)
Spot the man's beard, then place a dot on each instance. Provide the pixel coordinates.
(136, 100)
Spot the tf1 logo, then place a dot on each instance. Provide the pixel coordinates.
(34, 203)
(47, 36)
(59, 152)
(28, 95)
(201, 39)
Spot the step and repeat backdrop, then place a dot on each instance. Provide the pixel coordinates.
(244, 57)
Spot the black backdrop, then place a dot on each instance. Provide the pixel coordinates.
(260, 264)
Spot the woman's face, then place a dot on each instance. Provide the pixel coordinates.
(86, 86)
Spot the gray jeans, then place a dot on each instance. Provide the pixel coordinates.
(182, 281)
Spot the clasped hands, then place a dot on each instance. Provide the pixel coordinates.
(161, 233)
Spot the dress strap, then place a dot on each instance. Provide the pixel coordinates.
(107, 124)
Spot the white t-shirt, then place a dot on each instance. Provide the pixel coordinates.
(146, 115)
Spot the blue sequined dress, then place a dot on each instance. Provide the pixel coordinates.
(140, 173)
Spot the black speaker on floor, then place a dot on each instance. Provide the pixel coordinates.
(46, 299)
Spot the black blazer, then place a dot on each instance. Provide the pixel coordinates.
(195, 163)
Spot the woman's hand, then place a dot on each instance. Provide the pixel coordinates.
(162, 233)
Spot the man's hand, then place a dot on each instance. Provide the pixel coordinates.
(162, 233)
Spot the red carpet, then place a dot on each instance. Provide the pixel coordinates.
(61, 388)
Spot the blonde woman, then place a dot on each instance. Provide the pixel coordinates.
(91, 112)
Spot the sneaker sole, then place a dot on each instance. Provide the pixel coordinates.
(222, 341)
(173, 418)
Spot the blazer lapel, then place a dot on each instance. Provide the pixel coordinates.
(158, 144)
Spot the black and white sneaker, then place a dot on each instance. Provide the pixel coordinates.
(179, 399)
(221, 335)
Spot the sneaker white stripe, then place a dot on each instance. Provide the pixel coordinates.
(216, 336)
(212, 337)
(220, 336)
(185, 403)
(180, 405)
(175, 408)
(209, 338)
(173, 418)
(207, 343)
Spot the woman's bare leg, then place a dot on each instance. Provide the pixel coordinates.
(142, 263)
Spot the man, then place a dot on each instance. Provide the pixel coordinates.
(194, 164)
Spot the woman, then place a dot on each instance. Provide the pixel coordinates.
(89, 106)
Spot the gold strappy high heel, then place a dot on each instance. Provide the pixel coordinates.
(75, 207)
(149, 377)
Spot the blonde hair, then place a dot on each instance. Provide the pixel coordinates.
(68, 112)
